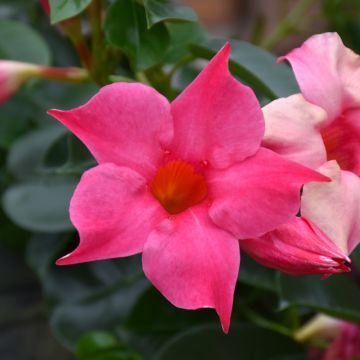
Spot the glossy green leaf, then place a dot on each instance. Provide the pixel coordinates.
(102, 345)
(254, 274)
(244, 341)
(64, 9)
(255, 66)
(154, 314)
(181, 37)
(166, 10)
(337, 296)
(126, 27)
(21, 43)
(26, 155)
(40, 206)
(85, 297)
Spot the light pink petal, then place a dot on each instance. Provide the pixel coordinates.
(297, 248)
(292, 129)
(335, 206)
(113, 213)
(342, 140)
(328, 73)
(257, 195)
(193, 263)
(216, 118)
(126, 124)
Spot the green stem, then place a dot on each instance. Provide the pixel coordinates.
(288, 25)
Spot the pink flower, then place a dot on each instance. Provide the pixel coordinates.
(180, 182)
(312, 128)
(346, 345)
(329, 77)
(12, 75)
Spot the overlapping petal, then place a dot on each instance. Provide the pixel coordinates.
(258, 194)
(342, 140)
(216, 118)
(297, 248)
(113, 214)
(193, 263)
(328, 73)
(335, 206)
(126, 124)
(292, 129)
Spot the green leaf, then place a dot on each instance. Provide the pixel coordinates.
(251, 273)
(244, 341)
(181, 37)
(102, 345)
(154, 314)
(63, 9)
(28, 152)
(337, 296)
(21, 43)
(85, 297)
(126, 27)
(41, 206)
(255, 66)
(165, 10)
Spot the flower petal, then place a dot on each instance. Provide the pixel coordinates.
(335, 206)
(113, 213)
(297, 248)
(292, 130)
(257, 195)
(342, 141)
(126, 124)
(216, 118)
(328, 73)
(193, 263)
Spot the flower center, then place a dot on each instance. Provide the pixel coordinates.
(177, 186)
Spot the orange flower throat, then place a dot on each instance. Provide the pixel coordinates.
(177, 186)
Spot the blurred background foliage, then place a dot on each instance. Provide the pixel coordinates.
(107, 310)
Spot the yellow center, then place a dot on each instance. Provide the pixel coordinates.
(177, 186)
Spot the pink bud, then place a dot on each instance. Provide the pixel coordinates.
(297, 248)
(12, 75)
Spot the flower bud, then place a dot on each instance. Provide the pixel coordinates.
(12, 75)
(297, 248)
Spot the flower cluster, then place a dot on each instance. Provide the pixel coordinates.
(190, 183)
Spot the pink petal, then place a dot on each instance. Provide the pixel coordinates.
(342, 140)
(113, 213)
(297, 248)
(335, 206)
(292, 129)
(193, 263)
(257, 195)
(126, 124)
(328, 73)
(216, 118)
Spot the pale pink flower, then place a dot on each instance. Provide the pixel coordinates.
(181, 183)
(312, 128)
(328, 74)
(12, 75)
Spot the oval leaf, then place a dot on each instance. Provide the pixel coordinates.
(40, 207)
(21, 43)
(63, 9)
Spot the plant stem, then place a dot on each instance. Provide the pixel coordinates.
(288, 25)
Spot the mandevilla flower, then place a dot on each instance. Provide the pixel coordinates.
(329, 76)
(322, 127)
(12, 75)
(180, 183)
